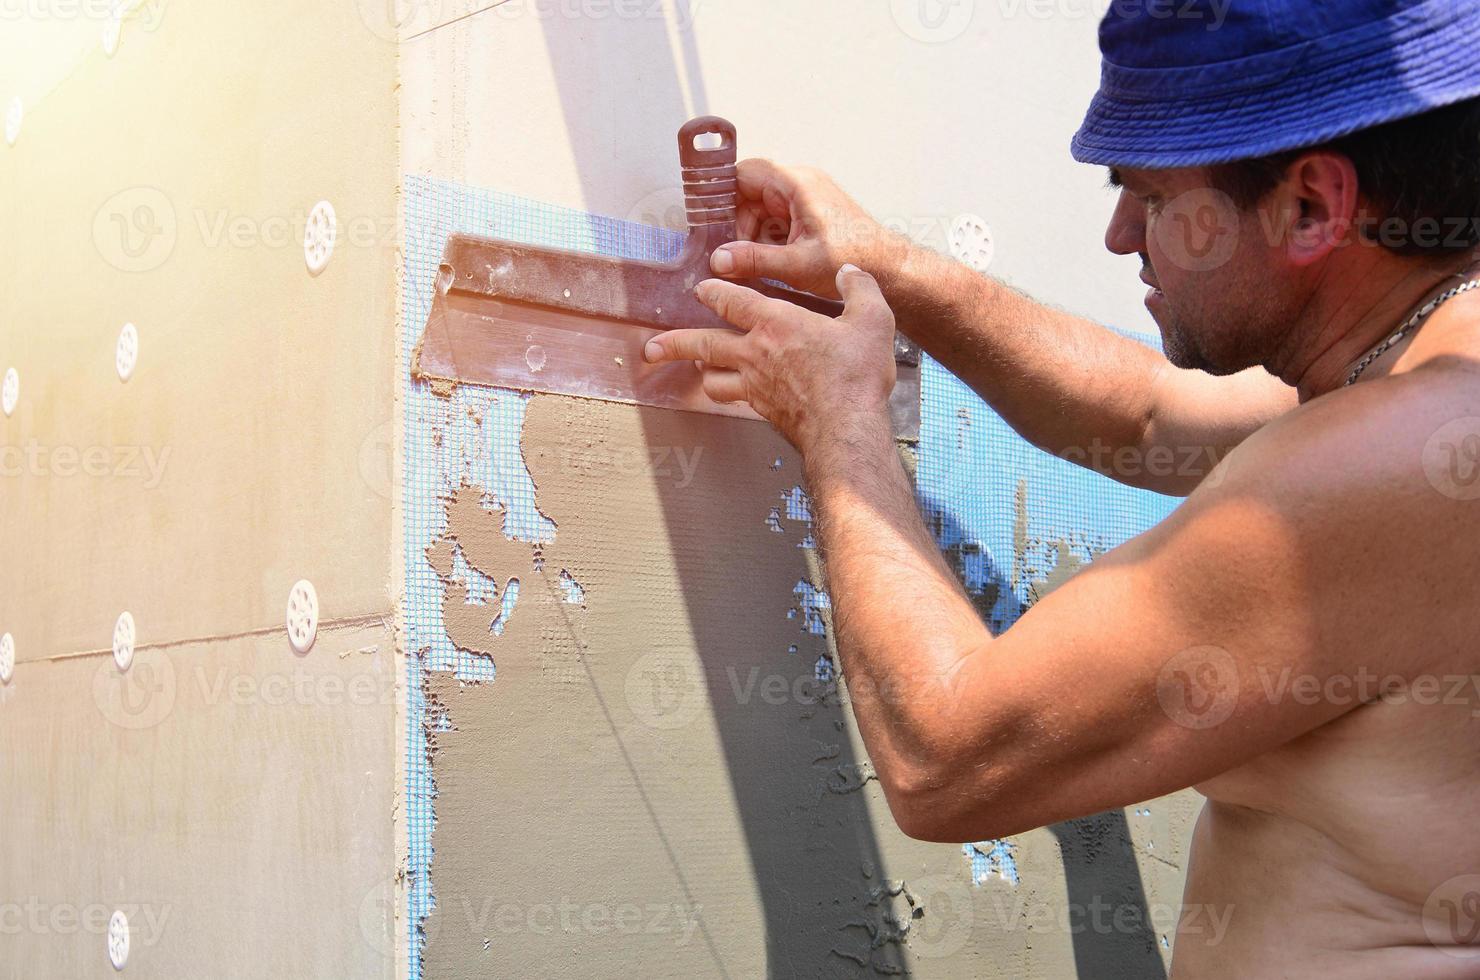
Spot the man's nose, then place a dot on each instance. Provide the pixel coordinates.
(1127, 232)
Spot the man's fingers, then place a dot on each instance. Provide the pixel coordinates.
(767, 182)
(724, 386)
(750, 260)
(748, 218)
(741, 305)
(722, 348)
(861, 294)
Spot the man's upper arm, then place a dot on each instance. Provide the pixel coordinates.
(1196, 419)
(1169, 659)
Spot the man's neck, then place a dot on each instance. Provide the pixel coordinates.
(1371, 301)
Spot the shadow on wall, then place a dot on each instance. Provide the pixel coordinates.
(601, 62)
(1100, 868)
(1100, 873)
(815, 861)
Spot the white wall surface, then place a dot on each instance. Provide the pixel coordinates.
(923, 109)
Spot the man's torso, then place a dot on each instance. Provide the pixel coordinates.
(1344, 852)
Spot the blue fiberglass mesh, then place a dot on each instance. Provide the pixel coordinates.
(471, 437)
(1008, 514)
(1013, 519)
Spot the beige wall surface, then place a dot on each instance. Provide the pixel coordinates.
(167, 186)
(234, 798)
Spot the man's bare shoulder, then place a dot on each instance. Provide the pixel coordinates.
(1377, 487)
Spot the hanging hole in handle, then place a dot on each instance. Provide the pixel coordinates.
(706, 141)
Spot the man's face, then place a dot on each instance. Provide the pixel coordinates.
(1218, 291)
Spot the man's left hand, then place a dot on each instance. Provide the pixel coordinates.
(803, 372)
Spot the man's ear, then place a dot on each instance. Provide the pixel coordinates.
(1315, 206)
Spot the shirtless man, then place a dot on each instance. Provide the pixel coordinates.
(1300, 640)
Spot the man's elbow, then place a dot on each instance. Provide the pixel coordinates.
(950, 803)
(957, 776)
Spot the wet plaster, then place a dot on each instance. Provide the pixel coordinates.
(656, 780)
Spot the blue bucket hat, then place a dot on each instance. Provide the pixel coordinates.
(1187, 83)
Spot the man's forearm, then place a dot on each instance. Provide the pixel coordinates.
(1059, 380)
(886, 576)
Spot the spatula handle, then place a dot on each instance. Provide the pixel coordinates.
(709, 181)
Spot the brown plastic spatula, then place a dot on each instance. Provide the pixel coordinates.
(573, 323)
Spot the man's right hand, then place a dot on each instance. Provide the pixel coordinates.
(797, 226)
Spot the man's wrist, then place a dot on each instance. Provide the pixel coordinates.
(924, 287)
(890, 260)
(842, 442)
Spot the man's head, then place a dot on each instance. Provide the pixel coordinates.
(1272, 154)
(1236, 252)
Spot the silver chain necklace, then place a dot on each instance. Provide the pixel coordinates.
(1414, 322)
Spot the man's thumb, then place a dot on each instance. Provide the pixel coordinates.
(749, 260)
(858, 287)
(862, 297)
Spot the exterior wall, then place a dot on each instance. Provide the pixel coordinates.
(232, 800)
(239, 791)
(576, 103)
(238, 799)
